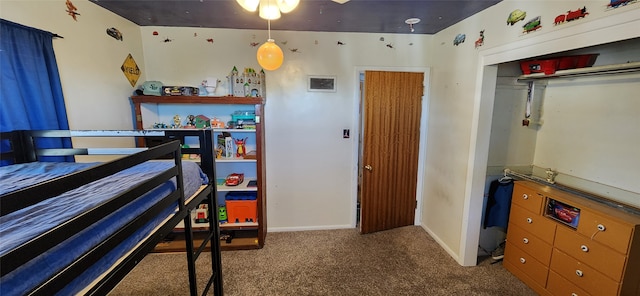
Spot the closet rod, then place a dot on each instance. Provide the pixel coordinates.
(588, 71)
(508, 172)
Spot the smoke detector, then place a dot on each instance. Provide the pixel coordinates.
(412, 21)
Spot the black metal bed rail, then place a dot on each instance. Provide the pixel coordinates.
(34, 194)
(24, 150)
(63, 278)
(29, 250)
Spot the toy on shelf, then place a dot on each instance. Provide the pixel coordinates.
(176, 122)
(247, 84)
(240, 144)
(222, 214)
(217, 123)
(191, 121)
(234, 179)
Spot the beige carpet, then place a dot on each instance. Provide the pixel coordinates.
(404, 261)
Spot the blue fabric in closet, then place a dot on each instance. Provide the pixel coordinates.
(499, 204)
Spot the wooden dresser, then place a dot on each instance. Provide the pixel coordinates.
(557, 251)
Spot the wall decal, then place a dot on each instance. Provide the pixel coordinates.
(295, 50)
(341, 43)
(210, 40)
(532, 25)
(71, 10)
(618, 3)
(254, 44)
(571, 15)
(459, 39)
(390, 45)
(516, 16)
(155, 33)
(167, 40)
(480, 41)
(130, 70)
(115, 33)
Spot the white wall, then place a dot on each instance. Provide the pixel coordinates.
(461, 109)
(95, 89)
(310, 167)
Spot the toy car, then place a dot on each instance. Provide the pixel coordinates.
(516, 16)
(234, 179)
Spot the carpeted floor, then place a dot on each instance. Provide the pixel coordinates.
(403, 261)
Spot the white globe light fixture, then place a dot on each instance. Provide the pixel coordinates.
(269, 9)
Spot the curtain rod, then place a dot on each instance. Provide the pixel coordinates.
(56, 36)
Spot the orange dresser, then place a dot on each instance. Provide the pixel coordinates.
(563, 244)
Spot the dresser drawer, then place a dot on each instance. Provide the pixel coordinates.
(605, 230)
(527, 198)
(582, 275)
(529, 243)
(526, 263)
(532, 223)
(559, 286)
(594, 254)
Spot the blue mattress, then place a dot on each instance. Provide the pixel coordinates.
(23, 225)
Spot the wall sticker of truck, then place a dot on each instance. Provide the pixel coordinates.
(618, 3)
(571, 15)
(532, 25)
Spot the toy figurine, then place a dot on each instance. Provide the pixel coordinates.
(240, 143)
(191, 121)
(176, 122)
(222, 214)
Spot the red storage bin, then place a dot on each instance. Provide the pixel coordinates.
(586, 60)
(239, 211)
(568, 62)
(539, 66)
(577, 61)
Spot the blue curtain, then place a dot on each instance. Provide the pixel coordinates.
(30, 89)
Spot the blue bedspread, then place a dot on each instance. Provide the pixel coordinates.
(23, 225)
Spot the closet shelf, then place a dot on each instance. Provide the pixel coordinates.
(589, 71)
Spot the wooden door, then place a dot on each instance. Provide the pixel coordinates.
(390, 140)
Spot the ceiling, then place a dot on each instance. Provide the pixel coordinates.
(362, 16)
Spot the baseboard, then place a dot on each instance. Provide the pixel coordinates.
(442, 244)
(307, 228)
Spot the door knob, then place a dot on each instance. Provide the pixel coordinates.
(368, 168)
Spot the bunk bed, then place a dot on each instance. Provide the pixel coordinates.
(79, 228)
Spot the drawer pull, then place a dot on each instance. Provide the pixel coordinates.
(584, 248)
(522, 260)
(525, 196)
(601, 227)
(529, 220)
(525, 240)
(579, 272)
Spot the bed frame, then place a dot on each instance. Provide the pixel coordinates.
(24, 149)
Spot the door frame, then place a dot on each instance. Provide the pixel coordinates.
(423, 135)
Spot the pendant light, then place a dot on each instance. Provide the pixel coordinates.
(270, 56)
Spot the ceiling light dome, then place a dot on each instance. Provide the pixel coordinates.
(269, 9)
